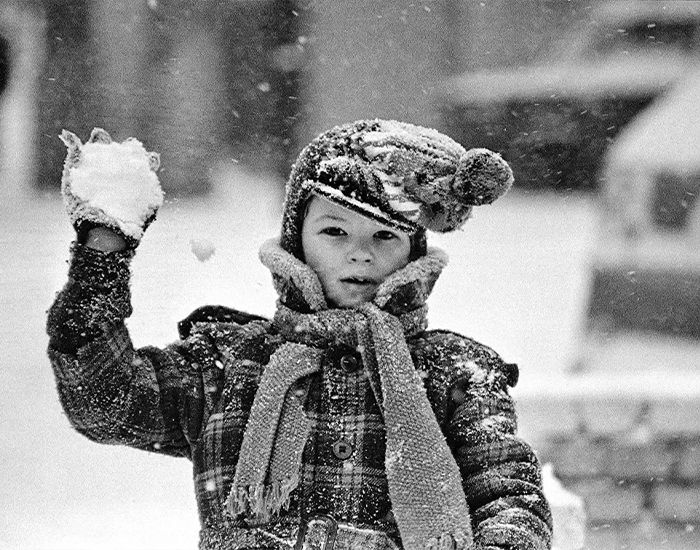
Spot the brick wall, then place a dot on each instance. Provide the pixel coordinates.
(629, 446)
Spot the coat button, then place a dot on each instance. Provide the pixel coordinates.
(349, 363)
(342, 449)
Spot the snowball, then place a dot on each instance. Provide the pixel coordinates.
(117, 179)
(203, 249)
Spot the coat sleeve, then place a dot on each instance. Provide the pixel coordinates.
(501, 475)
(150, 398)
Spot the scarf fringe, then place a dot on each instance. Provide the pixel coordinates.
(449, 541)
(261, 502)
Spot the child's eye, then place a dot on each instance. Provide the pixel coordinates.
(385, 235)
(333, 231)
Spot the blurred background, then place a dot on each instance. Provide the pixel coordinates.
(587, 273)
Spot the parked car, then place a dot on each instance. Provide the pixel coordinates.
(644, 301)
(554, 120)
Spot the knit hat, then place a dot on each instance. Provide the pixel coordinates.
(407, 177)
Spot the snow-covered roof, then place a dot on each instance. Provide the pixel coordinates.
(627, 75)
(666, 135)
(630, 11)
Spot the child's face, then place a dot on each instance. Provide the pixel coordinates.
(350, 253)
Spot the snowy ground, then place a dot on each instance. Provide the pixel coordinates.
(517, 282)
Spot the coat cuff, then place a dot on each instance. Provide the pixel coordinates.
(95, 298)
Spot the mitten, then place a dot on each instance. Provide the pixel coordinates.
(110, 184)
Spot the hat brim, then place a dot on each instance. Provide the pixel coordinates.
(373, 212)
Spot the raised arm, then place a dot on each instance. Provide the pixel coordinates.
(112, 393)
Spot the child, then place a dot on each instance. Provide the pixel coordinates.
(342, 423)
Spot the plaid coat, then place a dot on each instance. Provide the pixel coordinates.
(193, 398)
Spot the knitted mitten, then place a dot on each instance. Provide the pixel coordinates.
(110, 184)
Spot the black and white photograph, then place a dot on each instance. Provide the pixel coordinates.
(350, 275)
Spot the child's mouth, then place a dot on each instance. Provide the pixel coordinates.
(362, 281)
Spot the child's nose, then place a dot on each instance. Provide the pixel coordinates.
(360, 253)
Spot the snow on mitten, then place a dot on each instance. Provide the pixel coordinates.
(110, 184)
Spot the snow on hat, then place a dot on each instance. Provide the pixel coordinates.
(404, 176)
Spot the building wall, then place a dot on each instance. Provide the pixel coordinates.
(386, 59)
(372, 59)
(498, 33)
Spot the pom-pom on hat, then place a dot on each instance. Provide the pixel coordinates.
(405, 176)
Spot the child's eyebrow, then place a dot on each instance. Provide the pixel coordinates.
(330, 217)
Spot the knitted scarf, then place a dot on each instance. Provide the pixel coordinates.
(424, 481)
